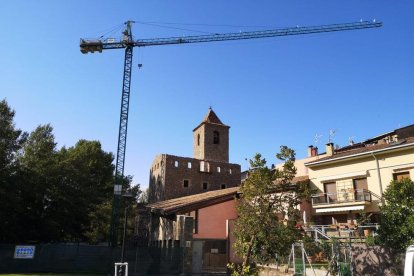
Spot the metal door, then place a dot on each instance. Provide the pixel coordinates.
(197, 259)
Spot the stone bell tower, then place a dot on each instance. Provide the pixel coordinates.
(211, 139)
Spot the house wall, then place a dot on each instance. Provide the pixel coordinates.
(389, 163)
(212, 220)
(344, 171)
(301, 169)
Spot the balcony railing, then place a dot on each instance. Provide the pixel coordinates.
(342, 230)
(350, 195)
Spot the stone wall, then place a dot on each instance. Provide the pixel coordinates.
(169, 173)
(205, 148)
(376, 260)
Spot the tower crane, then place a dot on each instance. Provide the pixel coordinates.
(128, 43)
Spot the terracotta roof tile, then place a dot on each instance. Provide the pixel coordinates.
(193, 202)
(363, 148)
(302, 178)
(212, 117)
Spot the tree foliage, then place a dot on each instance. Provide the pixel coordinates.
(268, 198)
(49, 194)
(397, 216)
(11, 140)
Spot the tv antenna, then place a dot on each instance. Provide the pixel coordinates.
(331, 135)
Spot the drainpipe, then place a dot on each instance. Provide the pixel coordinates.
(379, 178)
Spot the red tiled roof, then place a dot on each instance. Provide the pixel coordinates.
(193, 202)
(302, 178)
(211, 118)
(359, 150)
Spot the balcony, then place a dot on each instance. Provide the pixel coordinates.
(348, 196)
(346, 200)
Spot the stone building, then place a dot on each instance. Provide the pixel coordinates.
(175, 176)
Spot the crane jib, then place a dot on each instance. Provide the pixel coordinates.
(91, 46)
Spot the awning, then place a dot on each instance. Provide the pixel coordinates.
(340, 209)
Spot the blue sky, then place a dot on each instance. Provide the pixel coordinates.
(272, 92)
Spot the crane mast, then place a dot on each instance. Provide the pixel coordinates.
(122, 133)
(127, 43)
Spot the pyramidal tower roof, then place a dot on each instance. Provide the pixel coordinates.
(211, 118)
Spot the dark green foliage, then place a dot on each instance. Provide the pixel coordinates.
(49, 194)
(397, 216)
(11, 140)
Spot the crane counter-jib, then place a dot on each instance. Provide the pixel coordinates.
(99, 45)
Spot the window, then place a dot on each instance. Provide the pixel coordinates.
(218, 169)
(360, 186)
(185, 183)
(401, 176)
(216, 137)
(204, 166)
(223, 186)
(176, 164)
(198, 139)
(189, 165)
(330, 190)
(195, 221)
(205, 186)
(230, 171)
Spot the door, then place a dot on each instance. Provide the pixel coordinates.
(197, 255)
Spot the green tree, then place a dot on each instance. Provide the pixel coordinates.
(268, 196)
(48, 194)
(38, 178)
(11, 140)
(397, 216)
(83, 189)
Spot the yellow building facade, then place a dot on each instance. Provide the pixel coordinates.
(351, 180)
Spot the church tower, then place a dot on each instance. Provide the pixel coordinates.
(211, 139)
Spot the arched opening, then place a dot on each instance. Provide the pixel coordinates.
(216, 137)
